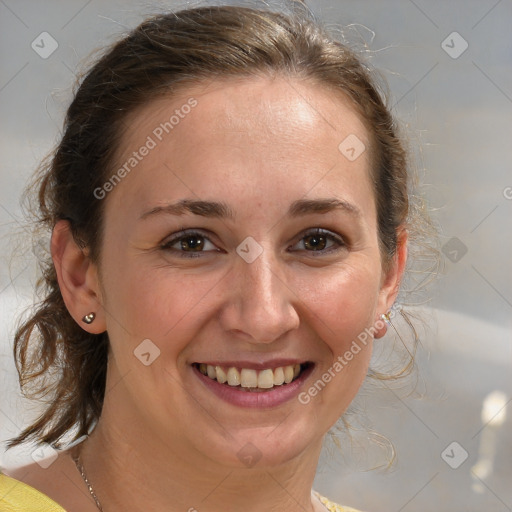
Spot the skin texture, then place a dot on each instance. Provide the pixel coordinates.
(257, 144)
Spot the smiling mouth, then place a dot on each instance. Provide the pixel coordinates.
(248, 379)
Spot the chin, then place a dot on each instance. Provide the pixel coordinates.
(260, 447)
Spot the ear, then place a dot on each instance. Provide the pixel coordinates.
(78, 278)
(391, 280)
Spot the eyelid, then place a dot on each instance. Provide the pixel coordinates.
(182, 232)
(167, 242)
(338, 239)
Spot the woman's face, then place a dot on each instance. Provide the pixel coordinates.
(241, 243)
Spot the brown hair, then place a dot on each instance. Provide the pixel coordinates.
(161, 55)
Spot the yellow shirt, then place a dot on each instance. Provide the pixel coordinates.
(15, 496)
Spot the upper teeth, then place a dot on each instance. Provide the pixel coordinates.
(249, 378)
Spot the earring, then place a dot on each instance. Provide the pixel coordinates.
(89, 319)
(386, 317)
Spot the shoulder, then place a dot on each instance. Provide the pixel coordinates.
(53, 487)
(17, 496)
(333, 507)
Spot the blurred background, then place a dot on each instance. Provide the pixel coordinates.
(448, 66)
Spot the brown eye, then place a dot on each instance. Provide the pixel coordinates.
(189, 244)
(192, 243)
(315, 242)
(320, 241)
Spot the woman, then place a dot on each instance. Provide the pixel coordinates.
(229, 217)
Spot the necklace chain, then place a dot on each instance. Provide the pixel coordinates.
(80, 467)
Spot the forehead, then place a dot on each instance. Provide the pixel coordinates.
(256, 134)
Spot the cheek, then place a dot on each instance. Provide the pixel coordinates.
(342, 304)
(159, 303)
(341, 309)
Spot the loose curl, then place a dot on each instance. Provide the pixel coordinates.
(55, 357)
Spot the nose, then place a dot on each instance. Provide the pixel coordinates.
(260, 306)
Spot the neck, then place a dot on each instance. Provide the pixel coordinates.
(130, 468)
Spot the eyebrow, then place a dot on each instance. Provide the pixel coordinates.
(221, 210)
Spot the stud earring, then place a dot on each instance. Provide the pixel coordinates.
(89, 319)
(386, 317)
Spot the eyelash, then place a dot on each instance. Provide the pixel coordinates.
(167, 246)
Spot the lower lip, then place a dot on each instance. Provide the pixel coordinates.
(262, 399)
